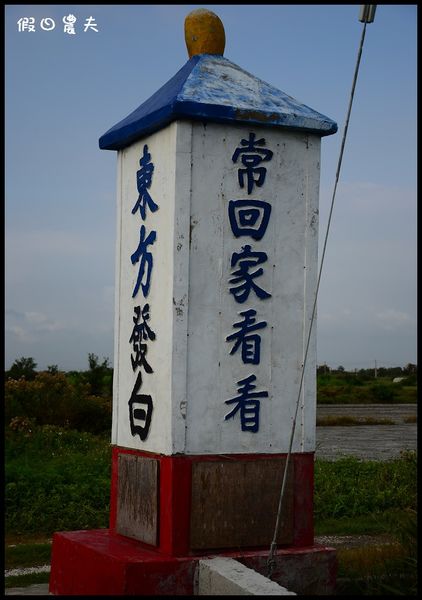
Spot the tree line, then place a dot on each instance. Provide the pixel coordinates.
(98, 373)
(406, 371)
(80, 400)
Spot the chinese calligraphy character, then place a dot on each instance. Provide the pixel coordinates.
(249, 217)
(143, 182)
(140, 411)
(245, 260)
(141, 331)
(26, 24)
(251, 343)
(47, 24)
(247, 404)
(252, 156)
(146, 260)
(69, 24)
(90, 24)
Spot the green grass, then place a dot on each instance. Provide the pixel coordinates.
(382, 569)
(27, 555)
(360, 525)
(56, 480)
(350, 488)
(26, 580)
(24, 555)
(354, 497)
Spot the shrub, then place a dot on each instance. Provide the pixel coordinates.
(52, 399)
(383, 392)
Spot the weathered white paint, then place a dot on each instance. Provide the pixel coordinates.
(162, 147)
(227, 577)
(192, 310)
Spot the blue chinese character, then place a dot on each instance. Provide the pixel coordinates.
(146, 260)
(251, 157)
(247, 259)
(247, 404)
(249, 217)
(143, 182)
(140, 411)
(251, 343)
(141, 331)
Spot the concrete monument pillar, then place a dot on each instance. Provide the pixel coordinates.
(216, 269)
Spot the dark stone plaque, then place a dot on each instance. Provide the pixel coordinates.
(137, 501)
(235, 502)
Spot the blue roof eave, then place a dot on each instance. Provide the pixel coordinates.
(122, 137)
(177, 100)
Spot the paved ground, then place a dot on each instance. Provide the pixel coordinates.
(375, 442)
(39, 589)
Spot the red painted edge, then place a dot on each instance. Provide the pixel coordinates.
(114, 487)
(98, 562)
(303, 499)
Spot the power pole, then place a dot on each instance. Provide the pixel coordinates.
(375, 372)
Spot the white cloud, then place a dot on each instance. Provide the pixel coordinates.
(391, 319)
(16, 331)
(30, 325)
(372, 212)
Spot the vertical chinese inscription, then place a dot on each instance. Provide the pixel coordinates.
(141, 404)
(248, 218)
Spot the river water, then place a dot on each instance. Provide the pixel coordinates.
(370, 442)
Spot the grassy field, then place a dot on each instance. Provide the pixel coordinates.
(56, 479)
(350, 388)
(59, 479)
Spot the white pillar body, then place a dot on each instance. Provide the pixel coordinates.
(191, 308)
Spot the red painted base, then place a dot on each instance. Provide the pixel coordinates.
(175, 496)
(100, 562)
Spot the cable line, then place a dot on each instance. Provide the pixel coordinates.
(366, 16)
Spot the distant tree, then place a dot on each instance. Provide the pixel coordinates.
(341, 369)
(366, 374)
(410, 369)
(53, 369)
(22, 367)
(97, 374)
(395, 372)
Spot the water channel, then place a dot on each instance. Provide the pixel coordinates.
(370, 442)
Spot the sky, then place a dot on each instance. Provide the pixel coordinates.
(63, 91)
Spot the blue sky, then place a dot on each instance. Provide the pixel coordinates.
(64, 91)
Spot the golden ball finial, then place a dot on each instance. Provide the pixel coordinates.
(204, 33)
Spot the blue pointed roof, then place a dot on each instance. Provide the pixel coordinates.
(210, 87)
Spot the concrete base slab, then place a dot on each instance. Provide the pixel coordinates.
(100, 562)
(224, 576)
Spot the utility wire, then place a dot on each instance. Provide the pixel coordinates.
(271, 560)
